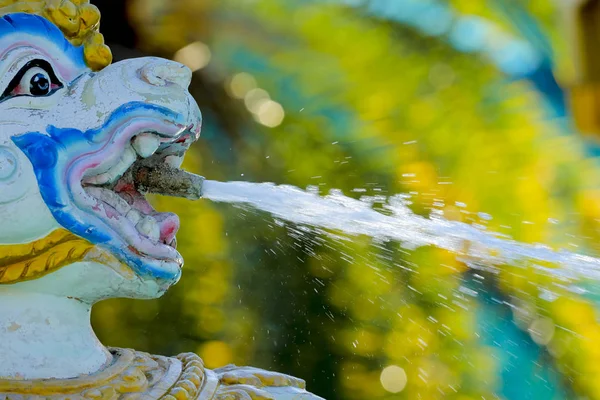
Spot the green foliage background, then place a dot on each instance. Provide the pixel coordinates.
(376, 105)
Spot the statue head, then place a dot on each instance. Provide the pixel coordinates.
(73, 127)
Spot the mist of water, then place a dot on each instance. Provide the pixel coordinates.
(338, 213)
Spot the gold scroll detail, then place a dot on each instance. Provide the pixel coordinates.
(21, 262)
(189, 385)
(78, 20)
(131, 375)
(135, 375)
(246, 383)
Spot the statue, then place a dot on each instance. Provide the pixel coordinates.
(81, 141)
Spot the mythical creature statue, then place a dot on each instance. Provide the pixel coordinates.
(81, 141)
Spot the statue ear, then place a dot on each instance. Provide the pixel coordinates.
(39, 148)
(9, 164)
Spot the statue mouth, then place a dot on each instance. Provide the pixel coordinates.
(95, 182)
(141, 156)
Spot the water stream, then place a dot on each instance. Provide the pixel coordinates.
(337, 212)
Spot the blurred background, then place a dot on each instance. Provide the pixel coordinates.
(480, 111)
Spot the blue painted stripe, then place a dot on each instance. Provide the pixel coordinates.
(19, 23)
(51, 155)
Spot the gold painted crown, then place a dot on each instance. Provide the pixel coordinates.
(77, 19)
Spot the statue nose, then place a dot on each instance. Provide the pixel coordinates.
(164, 73)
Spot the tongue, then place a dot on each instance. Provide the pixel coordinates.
(162, 179)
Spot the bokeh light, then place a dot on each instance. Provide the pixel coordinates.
(195, 55)
(255, 98)
(240, 84)
(270, 113)
(393, 379)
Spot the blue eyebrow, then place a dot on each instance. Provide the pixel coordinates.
(16, 23)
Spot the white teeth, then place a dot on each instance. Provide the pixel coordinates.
(128, 157)
(146, 144)
(110, 198)
(134, 216)
(97, 180)
(174, 161)
(149, 227)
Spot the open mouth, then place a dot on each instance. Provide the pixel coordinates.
(142, 156)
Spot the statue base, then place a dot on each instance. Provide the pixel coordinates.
(138, 375)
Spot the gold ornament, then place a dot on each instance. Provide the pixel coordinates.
(131, 375)
(77, 19)
(135, 375)
(247, 383)
(19, 262)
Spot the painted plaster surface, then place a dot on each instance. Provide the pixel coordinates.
(75, 225)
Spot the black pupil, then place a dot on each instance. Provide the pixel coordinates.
(39, 85)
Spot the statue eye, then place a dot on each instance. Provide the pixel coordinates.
(36, 78)
(36, 82)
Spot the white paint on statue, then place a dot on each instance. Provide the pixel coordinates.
(74, 228)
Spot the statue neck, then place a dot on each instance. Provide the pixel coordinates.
(47, 336)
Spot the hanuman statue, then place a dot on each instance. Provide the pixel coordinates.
(81, 143)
